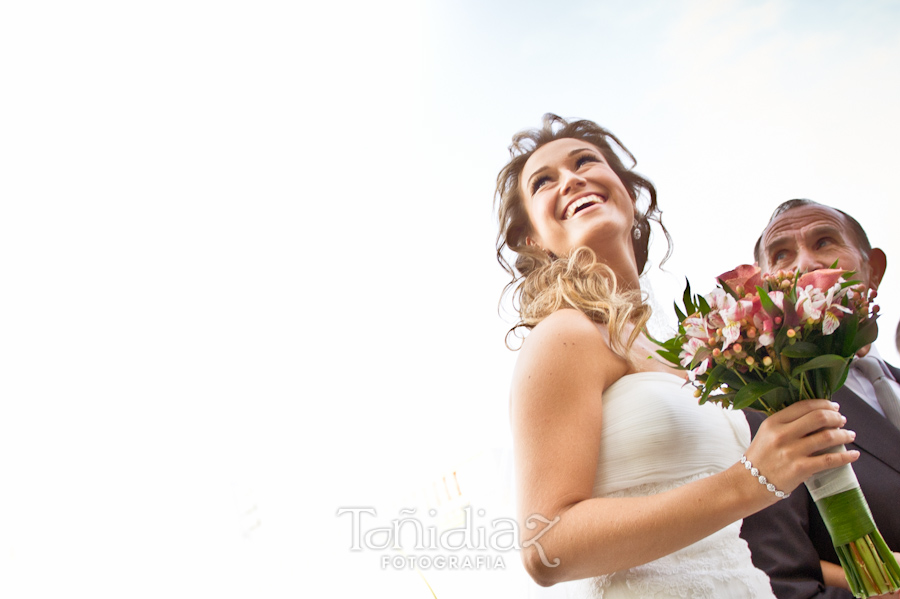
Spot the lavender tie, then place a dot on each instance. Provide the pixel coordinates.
(884, 392)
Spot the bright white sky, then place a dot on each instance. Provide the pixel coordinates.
(248, 247)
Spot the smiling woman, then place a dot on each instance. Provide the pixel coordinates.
(567, 187)
(643, 487)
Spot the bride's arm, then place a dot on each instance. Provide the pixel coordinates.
(564, 366)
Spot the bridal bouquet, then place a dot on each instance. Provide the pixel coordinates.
(767, 341)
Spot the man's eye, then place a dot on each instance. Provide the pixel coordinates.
(824, 242)
(779, 256)
(538, 183)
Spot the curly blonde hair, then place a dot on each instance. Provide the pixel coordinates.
(582, 282)
(541, 283)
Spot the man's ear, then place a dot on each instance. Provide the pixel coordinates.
(877, 263)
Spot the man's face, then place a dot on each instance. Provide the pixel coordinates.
(811, 237)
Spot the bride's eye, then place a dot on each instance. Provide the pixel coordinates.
(584, 159)
(538, 183)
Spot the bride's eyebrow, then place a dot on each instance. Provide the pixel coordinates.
(529, 185)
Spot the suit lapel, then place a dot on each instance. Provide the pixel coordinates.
(894, 371)
(878, 437)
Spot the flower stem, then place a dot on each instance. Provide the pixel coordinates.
(868, 563)
(872, 568)
(866, 578)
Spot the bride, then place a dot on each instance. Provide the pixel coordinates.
(624, 482)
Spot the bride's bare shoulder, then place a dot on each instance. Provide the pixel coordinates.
(569, 341)
(565, 327)
(569, 322)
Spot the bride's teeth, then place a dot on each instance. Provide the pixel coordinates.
(570, 211)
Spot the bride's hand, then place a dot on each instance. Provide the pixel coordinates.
(787, 448)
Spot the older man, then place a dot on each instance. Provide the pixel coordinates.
(789, 540)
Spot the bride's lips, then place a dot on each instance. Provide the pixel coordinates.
(585, 199)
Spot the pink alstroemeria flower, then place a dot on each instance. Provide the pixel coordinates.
(732, 318)
(696, 326)
(830, 323)
(822, 303)
(811, 302)
(765, 322)
(718, 301)
(699, 370)
(694, 348)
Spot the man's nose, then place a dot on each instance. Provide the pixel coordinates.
(808, 260)
(571, 181)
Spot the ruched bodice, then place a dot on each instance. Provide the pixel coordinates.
(656, 437)
(654, 431)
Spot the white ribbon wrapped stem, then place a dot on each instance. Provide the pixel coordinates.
(834, 481)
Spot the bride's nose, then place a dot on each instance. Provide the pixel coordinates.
(571, 181)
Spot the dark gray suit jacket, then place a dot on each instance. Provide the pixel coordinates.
(788, 539)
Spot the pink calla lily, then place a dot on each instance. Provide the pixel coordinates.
(823, 279)
(745, 276)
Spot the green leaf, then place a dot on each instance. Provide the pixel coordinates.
(868, 332)
(837, 384)
(791, 318)
(767, 304)
(723, 399)
(713, 378)
(679, 313)
(774, 400)
(834, 379)
(777, 378)
(801, 349)
(827, 343)
(646, 332)
(826, 361)
(730, 378)
(820, 378)
(750, 393)
(704, 306)
(849, 329)
(670, 357)
(688, 304)
(781, 340)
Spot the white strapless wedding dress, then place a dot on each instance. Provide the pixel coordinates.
(656, 437)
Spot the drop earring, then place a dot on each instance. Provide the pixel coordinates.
(636, 231)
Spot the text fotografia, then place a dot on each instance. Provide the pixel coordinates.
(408, 533)
(443, 562)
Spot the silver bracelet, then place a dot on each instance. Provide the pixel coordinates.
(762, 479)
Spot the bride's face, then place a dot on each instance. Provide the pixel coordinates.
(574, 199)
